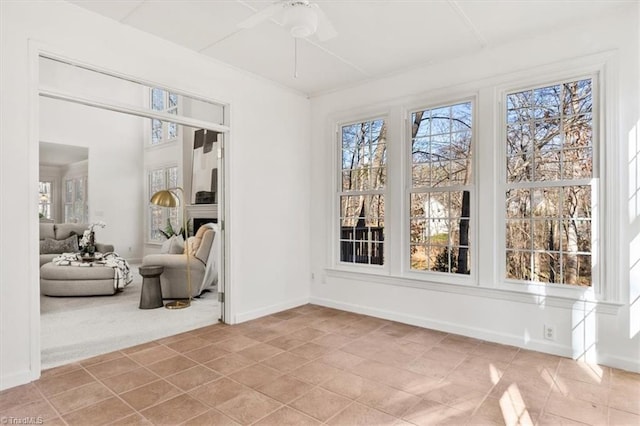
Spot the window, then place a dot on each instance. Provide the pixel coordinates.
(159, 217)
(76, 209)
(164, 101)
(45, 200)
(363, 177)
(440, 191)
(549, 194)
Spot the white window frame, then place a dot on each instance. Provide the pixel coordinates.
(434, 276)
(165, 213)
(165, 124)
(337, 193)
(49, 201)
(597, 183)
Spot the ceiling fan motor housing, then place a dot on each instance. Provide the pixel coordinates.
(301, 19)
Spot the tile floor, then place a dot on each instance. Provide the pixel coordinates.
(313, 365)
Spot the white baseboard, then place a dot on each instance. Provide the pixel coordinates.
(16, 379)
(268, 310)
(623, 363)
(449, 327)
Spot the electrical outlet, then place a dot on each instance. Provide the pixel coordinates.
(549, 332)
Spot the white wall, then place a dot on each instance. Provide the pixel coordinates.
(115, 173)
(267, 152)
(486, 310)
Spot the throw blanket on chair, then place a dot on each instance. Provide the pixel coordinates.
(122, 273)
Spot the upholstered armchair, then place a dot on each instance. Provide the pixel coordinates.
(203, 260)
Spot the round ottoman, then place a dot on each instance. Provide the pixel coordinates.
(76, 280)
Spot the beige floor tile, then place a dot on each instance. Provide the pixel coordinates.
(528, 381)
(262, 334)
(625, 399)
(457, 395)
(218, 392)
(101, 358)
(495, 352)
(480, 372)
(152, 354)
(315, 372)
(36, 409)
(102, 413)
(19, 395)
(206, 353)
(623, 418)
(425, 337)
(506, 411)
(361, 415)
(285, 388)
(575, 389)
(332, 340)
(285, 362)
(80, 397)
(112, 367)
(584, 372)
(130, 380)
(536, 359)
(430, 367)
(171, 365)
(260, 351)
(461, 344)
(310, 350)
(150, 394)
(321, 404)
(575, 409)
(428, 413)
(285, 342)
(249, 407)
(391, 401)
(211, 417)
(193, 377)
(237, 343)
(63, 369)
(52, 385)
(255, 375)
(131, 420)
(347, 384)
(307, 334)
(340, 359)
(188, 344)
(287, 416)
(227, 364)
(551, 420)
(175, 411)
(138, 348)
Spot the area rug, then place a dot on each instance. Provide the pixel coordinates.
(75, 328)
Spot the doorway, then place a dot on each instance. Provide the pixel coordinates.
(163, 125)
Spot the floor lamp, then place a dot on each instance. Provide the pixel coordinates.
(169, 198)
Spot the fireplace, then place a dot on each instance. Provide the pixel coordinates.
(199, 221)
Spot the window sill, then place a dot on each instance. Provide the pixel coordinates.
(578, 301)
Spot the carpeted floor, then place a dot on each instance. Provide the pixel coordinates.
(74, 328)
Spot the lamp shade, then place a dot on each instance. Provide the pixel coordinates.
(164, 198)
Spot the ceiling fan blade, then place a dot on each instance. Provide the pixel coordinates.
(325, 30)
(261, 15)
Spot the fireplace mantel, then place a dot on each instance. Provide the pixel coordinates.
(202, 211)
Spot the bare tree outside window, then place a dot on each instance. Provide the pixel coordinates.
(549, 141)
(440, 195)
(363, 177)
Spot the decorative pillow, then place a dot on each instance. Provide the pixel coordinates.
(174, 245)
(196, 240)
(51, 246)
(194, 244)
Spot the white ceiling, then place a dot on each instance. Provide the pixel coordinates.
(53, 154)
(375, 37)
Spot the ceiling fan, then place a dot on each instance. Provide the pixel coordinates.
(301, 17)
